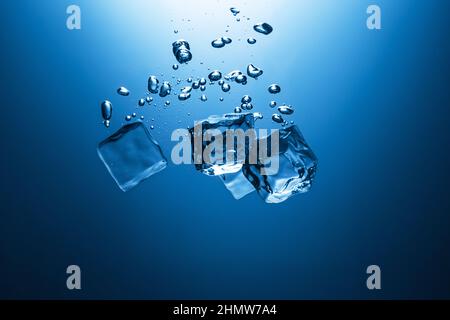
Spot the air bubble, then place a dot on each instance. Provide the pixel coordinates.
(241, 79)
(184, 96)
(258, 116)
(227, 40)
(181, 50)
(235, 11)
(274, 89)
(226, 87)
(285, 109)
(186, 89)
(263, 28)
(123, 91)
(246, 99)
(107, 109)
(165, 89)
(218, 43)
(153, 84)
(215, 75)
(253, 71)
(277, 118)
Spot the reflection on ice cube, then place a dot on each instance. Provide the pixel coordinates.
(297, 168)
(237, 184)
(131, 155)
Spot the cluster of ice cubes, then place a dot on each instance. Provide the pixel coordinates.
(131, 155)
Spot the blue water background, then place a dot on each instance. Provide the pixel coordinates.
(373, 105)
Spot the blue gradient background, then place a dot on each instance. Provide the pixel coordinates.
(373, 105)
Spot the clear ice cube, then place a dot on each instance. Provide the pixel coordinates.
(218, 164)
(237, 184)
(131, 155)
(297, 168)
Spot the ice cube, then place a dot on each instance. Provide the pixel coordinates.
(131, 155)
(237, 184)
(297, 168)
(226, 158)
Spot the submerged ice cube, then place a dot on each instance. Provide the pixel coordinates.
(131, 155)
(297, 168)
(237, 184)
(212, 155)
